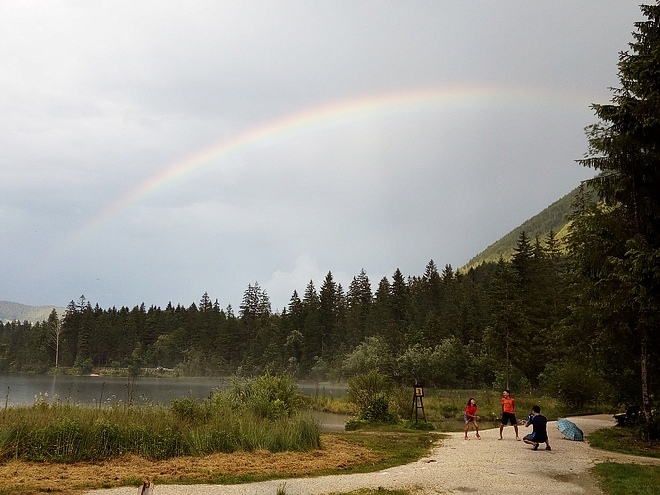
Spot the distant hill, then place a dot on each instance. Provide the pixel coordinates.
(11, 311)
(554, 217)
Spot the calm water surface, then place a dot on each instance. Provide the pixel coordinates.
(19, 389)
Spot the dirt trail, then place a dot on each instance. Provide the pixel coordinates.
(488, 467)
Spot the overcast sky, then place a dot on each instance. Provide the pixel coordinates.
(151, 151)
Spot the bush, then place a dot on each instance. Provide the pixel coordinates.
(574, 384)
(401, 401)
(354, 424)
(267, 396)
(649, 431)
(372, 354)
(371, 393)
(418, 425)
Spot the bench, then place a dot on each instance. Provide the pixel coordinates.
(630, 417)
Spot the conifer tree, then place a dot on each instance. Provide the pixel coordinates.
(624, 148)
(510, 328)
(329, 305)
(311, 330)
(359, 303)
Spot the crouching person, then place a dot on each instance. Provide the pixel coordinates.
(540, 431)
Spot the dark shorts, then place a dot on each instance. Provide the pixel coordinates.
(468, 420)
(508, 418)
(533, 437)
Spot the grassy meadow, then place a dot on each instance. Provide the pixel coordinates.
(265, 413)
(268, 413)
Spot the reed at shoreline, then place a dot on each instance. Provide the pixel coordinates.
(258, 414)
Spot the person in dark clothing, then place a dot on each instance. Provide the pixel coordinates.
(540, 431)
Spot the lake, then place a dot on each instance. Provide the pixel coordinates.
(24, 390)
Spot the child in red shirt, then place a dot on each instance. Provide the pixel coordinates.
(471, 417)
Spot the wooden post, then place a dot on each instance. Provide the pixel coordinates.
(418, 401)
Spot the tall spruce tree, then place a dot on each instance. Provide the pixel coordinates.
(624, 147)
(311, 328)
(510, 328)
(329, 306)
(359, 302)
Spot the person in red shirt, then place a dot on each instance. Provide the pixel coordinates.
(508, 413)
(471, 417)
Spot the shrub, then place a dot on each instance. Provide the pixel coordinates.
(267, 396)
(418, 425)
(574, 384)
(401, 401)
(354, 424)
(371, 393)
(372, 354)
(649, 431)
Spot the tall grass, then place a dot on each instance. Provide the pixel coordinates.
(259, 414)
(444, 407)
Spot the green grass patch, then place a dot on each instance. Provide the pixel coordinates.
(74, 434)
(627, 479)
(626, 440)
(394, 446)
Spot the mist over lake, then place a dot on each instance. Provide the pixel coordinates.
(24, 389)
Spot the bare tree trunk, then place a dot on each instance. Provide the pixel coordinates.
(643, 362)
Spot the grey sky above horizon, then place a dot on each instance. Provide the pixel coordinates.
(154, 151)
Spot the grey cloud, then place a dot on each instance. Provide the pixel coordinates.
(99, 99)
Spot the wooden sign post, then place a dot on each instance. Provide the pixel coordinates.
(418, 401)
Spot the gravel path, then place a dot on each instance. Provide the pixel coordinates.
(487, 467)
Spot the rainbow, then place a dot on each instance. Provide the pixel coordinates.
(333, 113)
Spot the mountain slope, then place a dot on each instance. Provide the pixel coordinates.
(554, 217)
(11, 311)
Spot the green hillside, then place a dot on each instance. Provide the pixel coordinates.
(554, 217)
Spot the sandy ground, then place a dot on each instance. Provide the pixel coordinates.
(487, 467)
